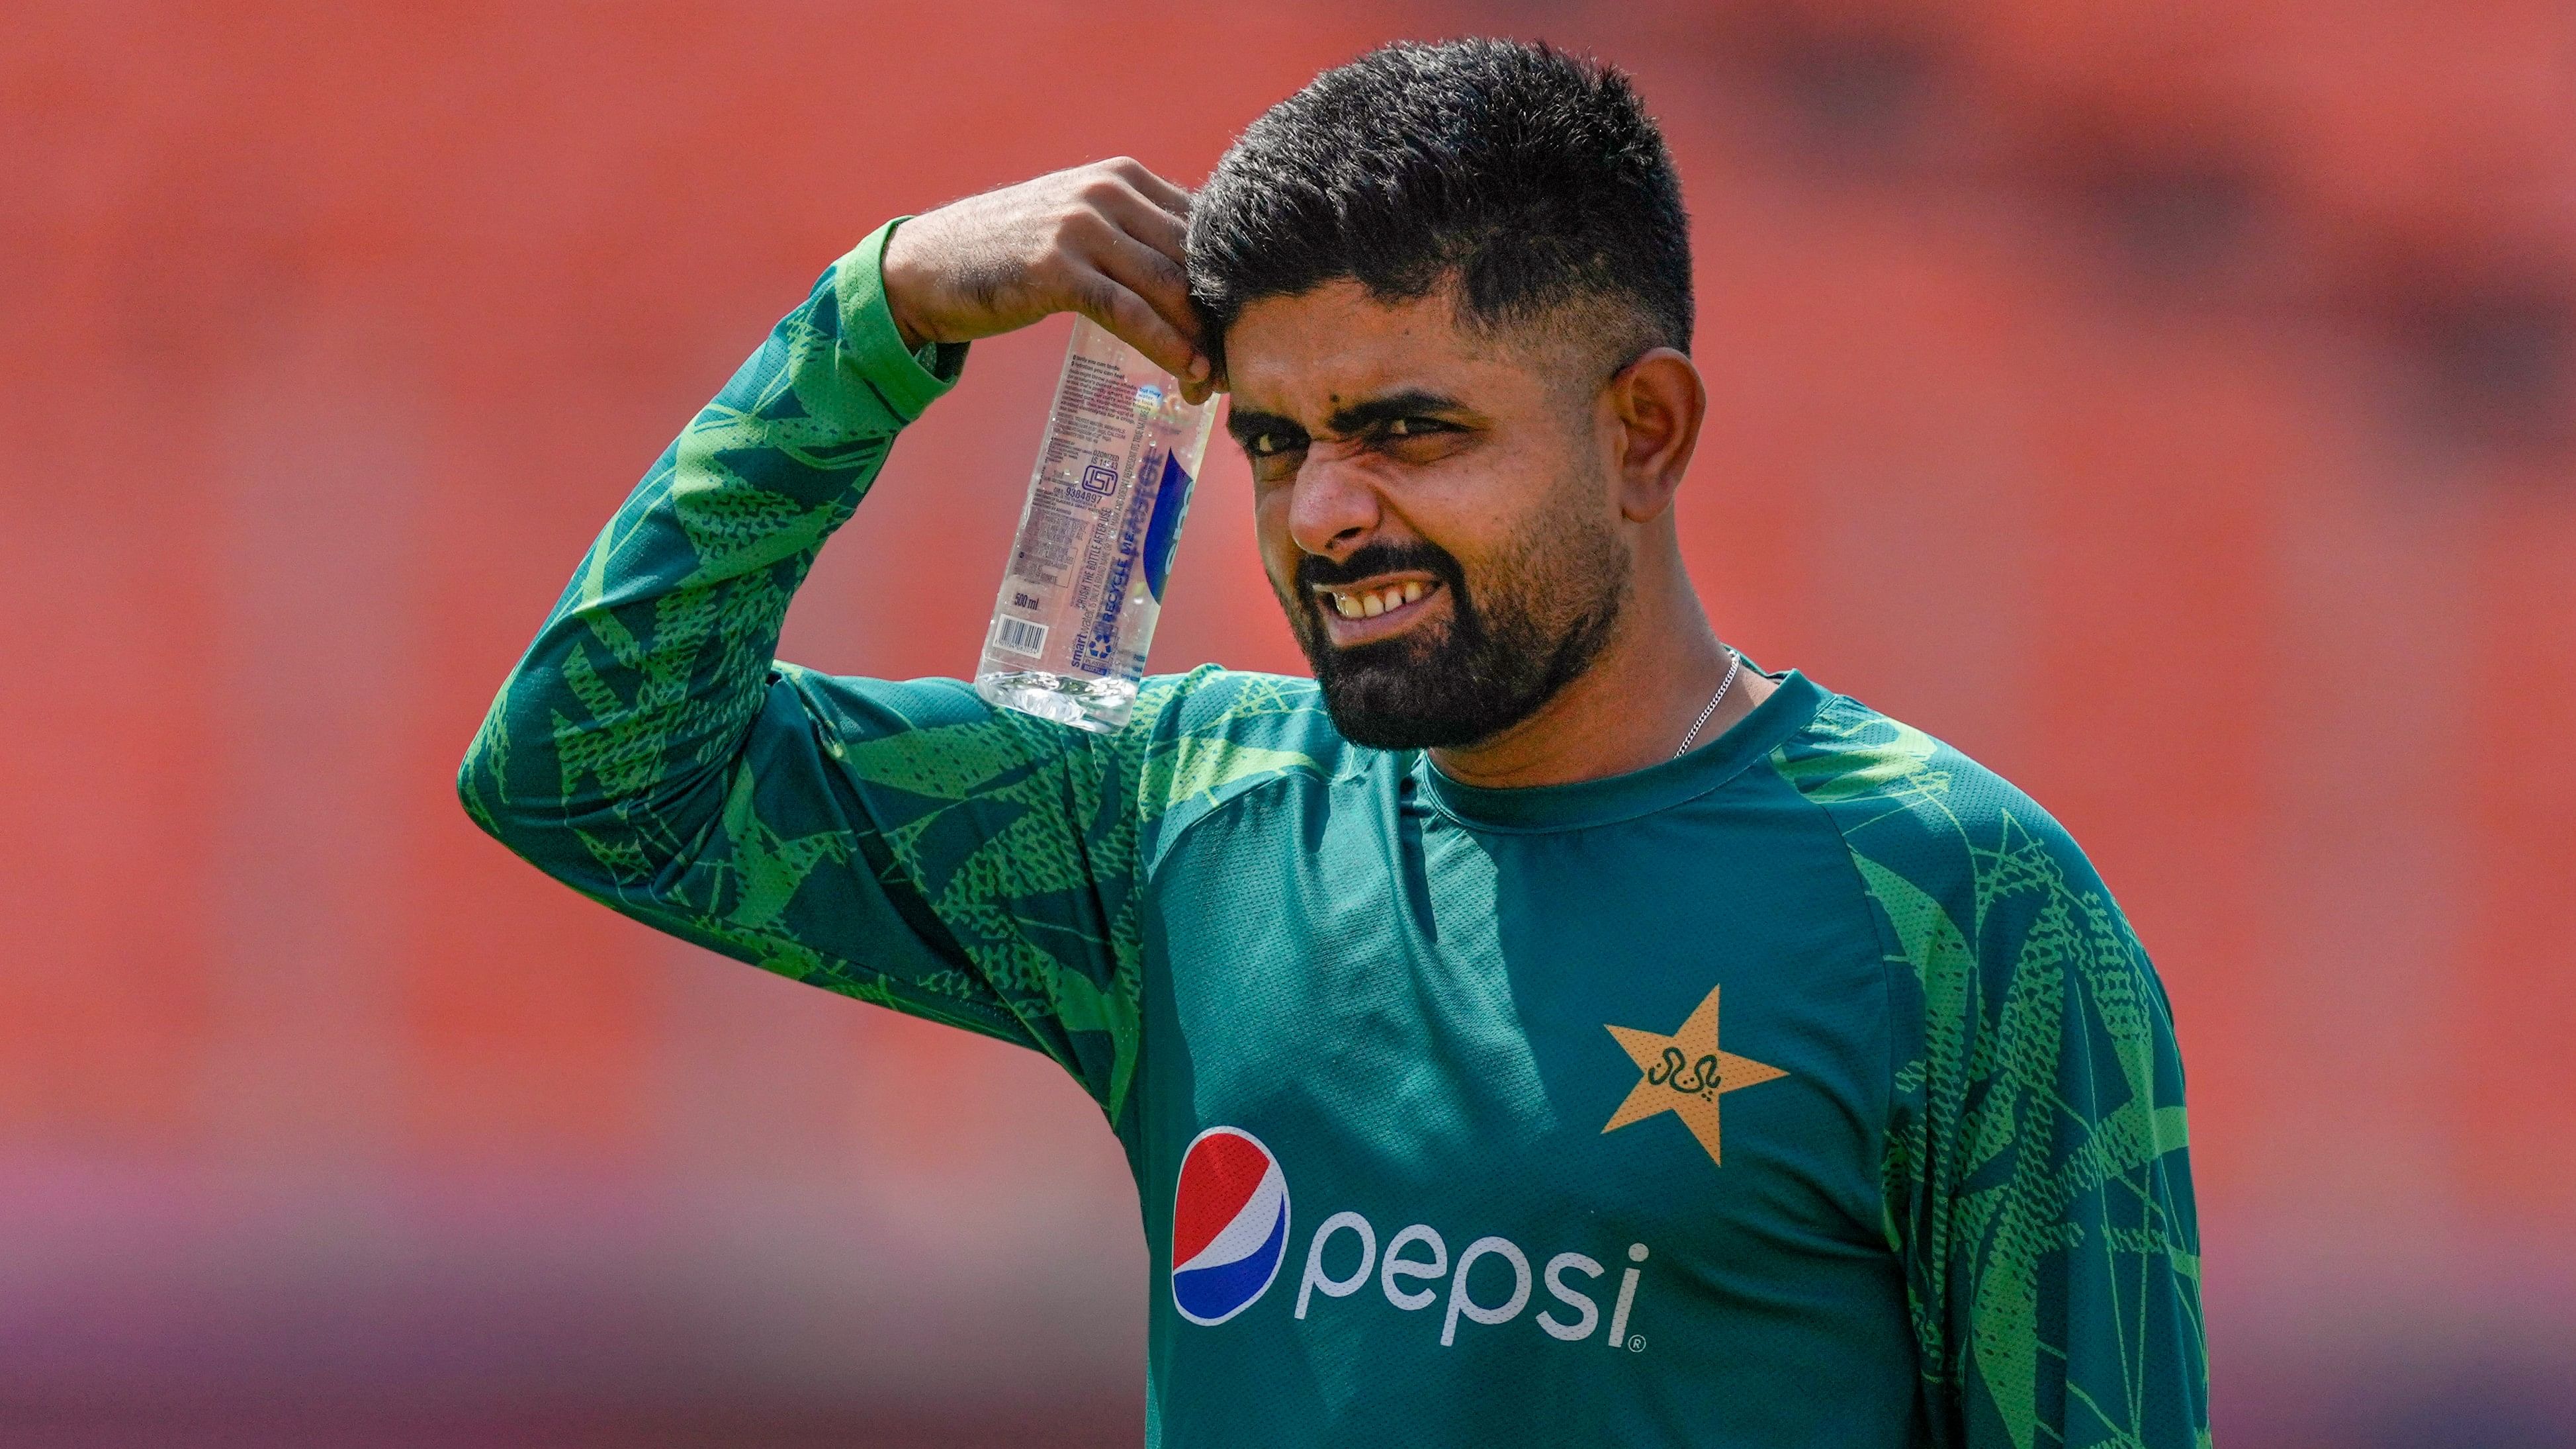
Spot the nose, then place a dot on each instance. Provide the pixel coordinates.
(1332, 507)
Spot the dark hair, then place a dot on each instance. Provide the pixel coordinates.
(1531, 178)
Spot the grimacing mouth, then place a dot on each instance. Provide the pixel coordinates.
(1370, 600)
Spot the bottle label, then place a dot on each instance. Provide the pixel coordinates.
(1106, 500)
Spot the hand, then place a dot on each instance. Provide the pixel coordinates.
(1104, 240)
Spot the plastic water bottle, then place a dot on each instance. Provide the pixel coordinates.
(1085, 582)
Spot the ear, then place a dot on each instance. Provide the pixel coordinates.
(1657, 403)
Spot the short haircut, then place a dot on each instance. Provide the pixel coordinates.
(1531, 180)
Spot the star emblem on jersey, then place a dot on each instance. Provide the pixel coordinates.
(1685, 1074)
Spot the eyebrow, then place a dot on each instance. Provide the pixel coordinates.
(1248, 424)
(1412, 402)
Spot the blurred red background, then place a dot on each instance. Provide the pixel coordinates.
(2172, 404)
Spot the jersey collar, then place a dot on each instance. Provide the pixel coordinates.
(1614, 798)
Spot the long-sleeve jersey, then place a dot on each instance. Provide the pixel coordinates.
(1806, 1090)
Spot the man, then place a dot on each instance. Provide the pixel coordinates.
(1540, 1028)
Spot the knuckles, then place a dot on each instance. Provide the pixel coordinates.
(1103, 191)
(1076, 225)
(1047, 264)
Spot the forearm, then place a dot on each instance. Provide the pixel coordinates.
(607, 752)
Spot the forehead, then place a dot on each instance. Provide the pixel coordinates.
(1304, 356)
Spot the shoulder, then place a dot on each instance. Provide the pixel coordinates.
(2008, 958)
(1967, 869)
(1234, 705)
(1205, 737)
(1189, 734)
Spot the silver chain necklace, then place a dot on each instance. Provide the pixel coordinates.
(1735, 663)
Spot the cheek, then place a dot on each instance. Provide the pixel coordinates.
(1270, 536)
(1474, 512)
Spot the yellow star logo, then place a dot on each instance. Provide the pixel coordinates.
(1685, 1074)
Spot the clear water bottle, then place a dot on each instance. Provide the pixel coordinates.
(1085, 581)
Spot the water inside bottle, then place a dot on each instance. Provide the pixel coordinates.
(1084, 586)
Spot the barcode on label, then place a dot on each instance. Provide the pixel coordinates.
(1019, 636)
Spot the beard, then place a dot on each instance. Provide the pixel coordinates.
(1543, 613)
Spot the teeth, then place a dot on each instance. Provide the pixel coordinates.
(1370, 605)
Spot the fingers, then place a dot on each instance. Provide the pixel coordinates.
(1159, 280)
(1160, 274)
(1137, 248)
(1148, 222)
(1154, 188)
(1135, 321)
(1159, 218)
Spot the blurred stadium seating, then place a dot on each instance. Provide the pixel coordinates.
(2172, 404)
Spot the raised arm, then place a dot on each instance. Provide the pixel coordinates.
(900, 843)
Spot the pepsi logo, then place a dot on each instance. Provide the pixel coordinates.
(1229, 1225)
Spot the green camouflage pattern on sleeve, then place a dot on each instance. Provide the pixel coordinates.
(2037, 1176)
(901, 843)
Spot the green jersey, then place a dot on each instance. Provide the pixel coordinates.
(1808, 1089)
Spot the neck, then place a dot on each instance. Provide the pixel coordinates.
(1629, 710)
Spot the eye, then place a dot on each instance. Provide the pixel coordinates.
(1270, 445)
